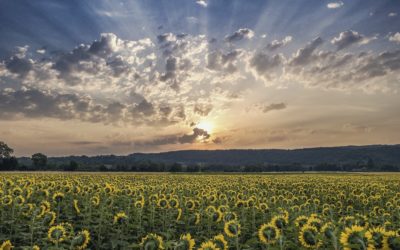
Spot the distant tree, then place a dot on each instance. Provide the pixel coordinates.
(10, 163)
(370, 164)
(389, 168)
(5, 150)
(176, 167)
(193, 168)
(72, 166)
(103, 168)
(39, 160)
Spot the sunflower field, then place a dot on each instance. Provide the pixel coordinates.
(165, 211)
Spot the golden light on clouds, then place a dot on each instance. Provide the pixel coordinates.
(207, 126)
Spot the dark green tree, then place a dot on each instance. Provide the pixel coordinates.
(5, 150)
(72, 166)
(39, 160)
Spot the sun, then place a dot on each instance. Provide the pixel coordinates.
(206, 125)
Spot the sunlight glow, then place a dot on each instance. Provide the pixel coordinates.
(206, 125)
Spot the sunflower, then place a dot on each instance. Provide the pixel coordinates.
(232, 228)
(76, 206)
(57, 234)
(391, 241)
(81, 240)
(138, 204)
(378, 234)
(179, 214)
(162, 203)
(315, 222)
(27, 209)
(268, 233)
(263, 207)
(190, 204)
(186, 242)
(216, 216)
(208, 245)
(211, 209)
(35, 247)
(152, 242)
(280, 221)
(49, 218)
(228, 216)
(174, 203)
(6, 245)
(7, 200)
(355, 237)
(327, 230)
(197, 218)
(308, 237)
(58, 197)
(46, 205)
(19, 200)
(220, 242)
(300, 221)
(120, 218)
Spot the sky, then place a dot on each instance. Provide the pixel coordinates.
(91, 77)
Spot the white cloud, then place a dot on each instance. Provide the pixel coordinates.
(395, 37)
(349, 37)
(277, 44)
(239, 35)
(392, 14)
(335, 5)
(202, 3)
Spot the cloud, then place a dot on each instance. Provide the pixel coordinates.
(202, 3)
(197, 135)
(138, 82)
(303, 55)
(274, 106)
(348, 38)
(202, 109)
(239, 35)
(392, 14)
(395, 37)
(278, 44)
(266, 65)
(19, 66)
(335, 5)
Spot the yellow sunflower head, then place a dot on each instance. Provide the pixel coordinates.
(57, 234)
(58, 197)
(6, 245)
(378, 234)
(268, 233)
(186, 242)
(220, 242)
(355, 237)
(391, 240)
(308, 237)
(81, 240)
(120, 218)
(152, 242)
(208, 245)
(232, 228)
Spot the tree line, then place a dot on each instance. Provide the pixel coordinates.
(40, 162)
